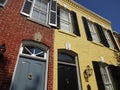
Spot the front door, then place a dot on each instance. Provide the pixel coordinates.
(30, 75)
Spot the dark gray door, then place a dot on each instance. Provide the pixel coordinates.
(30, 75)
(67, 77)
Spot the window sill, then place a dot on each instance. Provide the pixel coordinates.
(112, 49)
(103, 46)
(33, 20)
(67, 33)
(97, 43)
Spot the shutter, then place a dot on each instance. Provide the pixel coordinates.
(98, 76)
(87, 30)
(115, 73)
(53, 13)
(2, 2)
(27, 7)
(75, 23)
(58, 16)
(113, 40)
(102, 35)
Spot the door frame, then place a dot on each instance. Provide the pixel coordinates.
(46, 59)
(75, 55)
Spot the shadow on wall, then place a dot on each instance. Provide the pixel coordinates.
(5, 77)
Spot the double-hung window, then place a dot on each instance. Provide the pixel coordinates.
(3, 2)
(65, 21)
(93, 31)
(47, 12)
(106, 77)
(109, 39)
(41, 11)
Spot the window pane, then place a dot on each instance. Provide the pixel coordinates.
(35, 14)
(40, 11)
(27, 7)
(52, 19)
(93, 31)
(42, 17)
(65, 21)
(66, 58)
(44, 5)
(64, 15)
(38, 3)
(34, 51)
(109, 39)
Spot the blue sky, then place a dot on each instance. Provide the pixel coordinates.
(109, 9)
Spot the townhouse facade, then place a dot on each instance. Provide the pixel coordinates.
(56, 45)
(29, 46)
(84, 48)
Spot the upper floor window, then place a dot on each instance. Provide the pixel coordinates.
(97, 33)
(93, 31)
(47, 12)
(3, 2)
(42, 11)
(109, 39)
(67, 21)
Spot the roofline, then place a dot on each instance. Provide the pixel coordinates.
(90, 11)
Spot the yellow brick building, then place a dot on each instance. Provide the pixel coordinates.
(86, 38)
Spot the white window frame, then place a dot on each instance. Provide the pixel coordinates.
(108, 39)
(69, 22)
(93, 32)
(29, 7)
(106, 77)
(31, 11)
(47, 12)
(4, 3)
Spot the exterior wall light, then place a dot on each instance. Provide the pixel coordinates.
(87, 73)
(2, 50)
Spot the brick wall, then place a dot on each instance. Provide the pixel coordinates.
(14, 28)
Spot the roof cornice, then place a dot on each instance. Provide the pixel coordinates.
(77, 5)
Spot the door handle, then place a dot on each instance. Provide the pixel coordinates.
(30, 76)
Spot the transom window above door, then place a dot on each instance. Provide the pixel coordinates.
(33, 49)
(30, 50)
